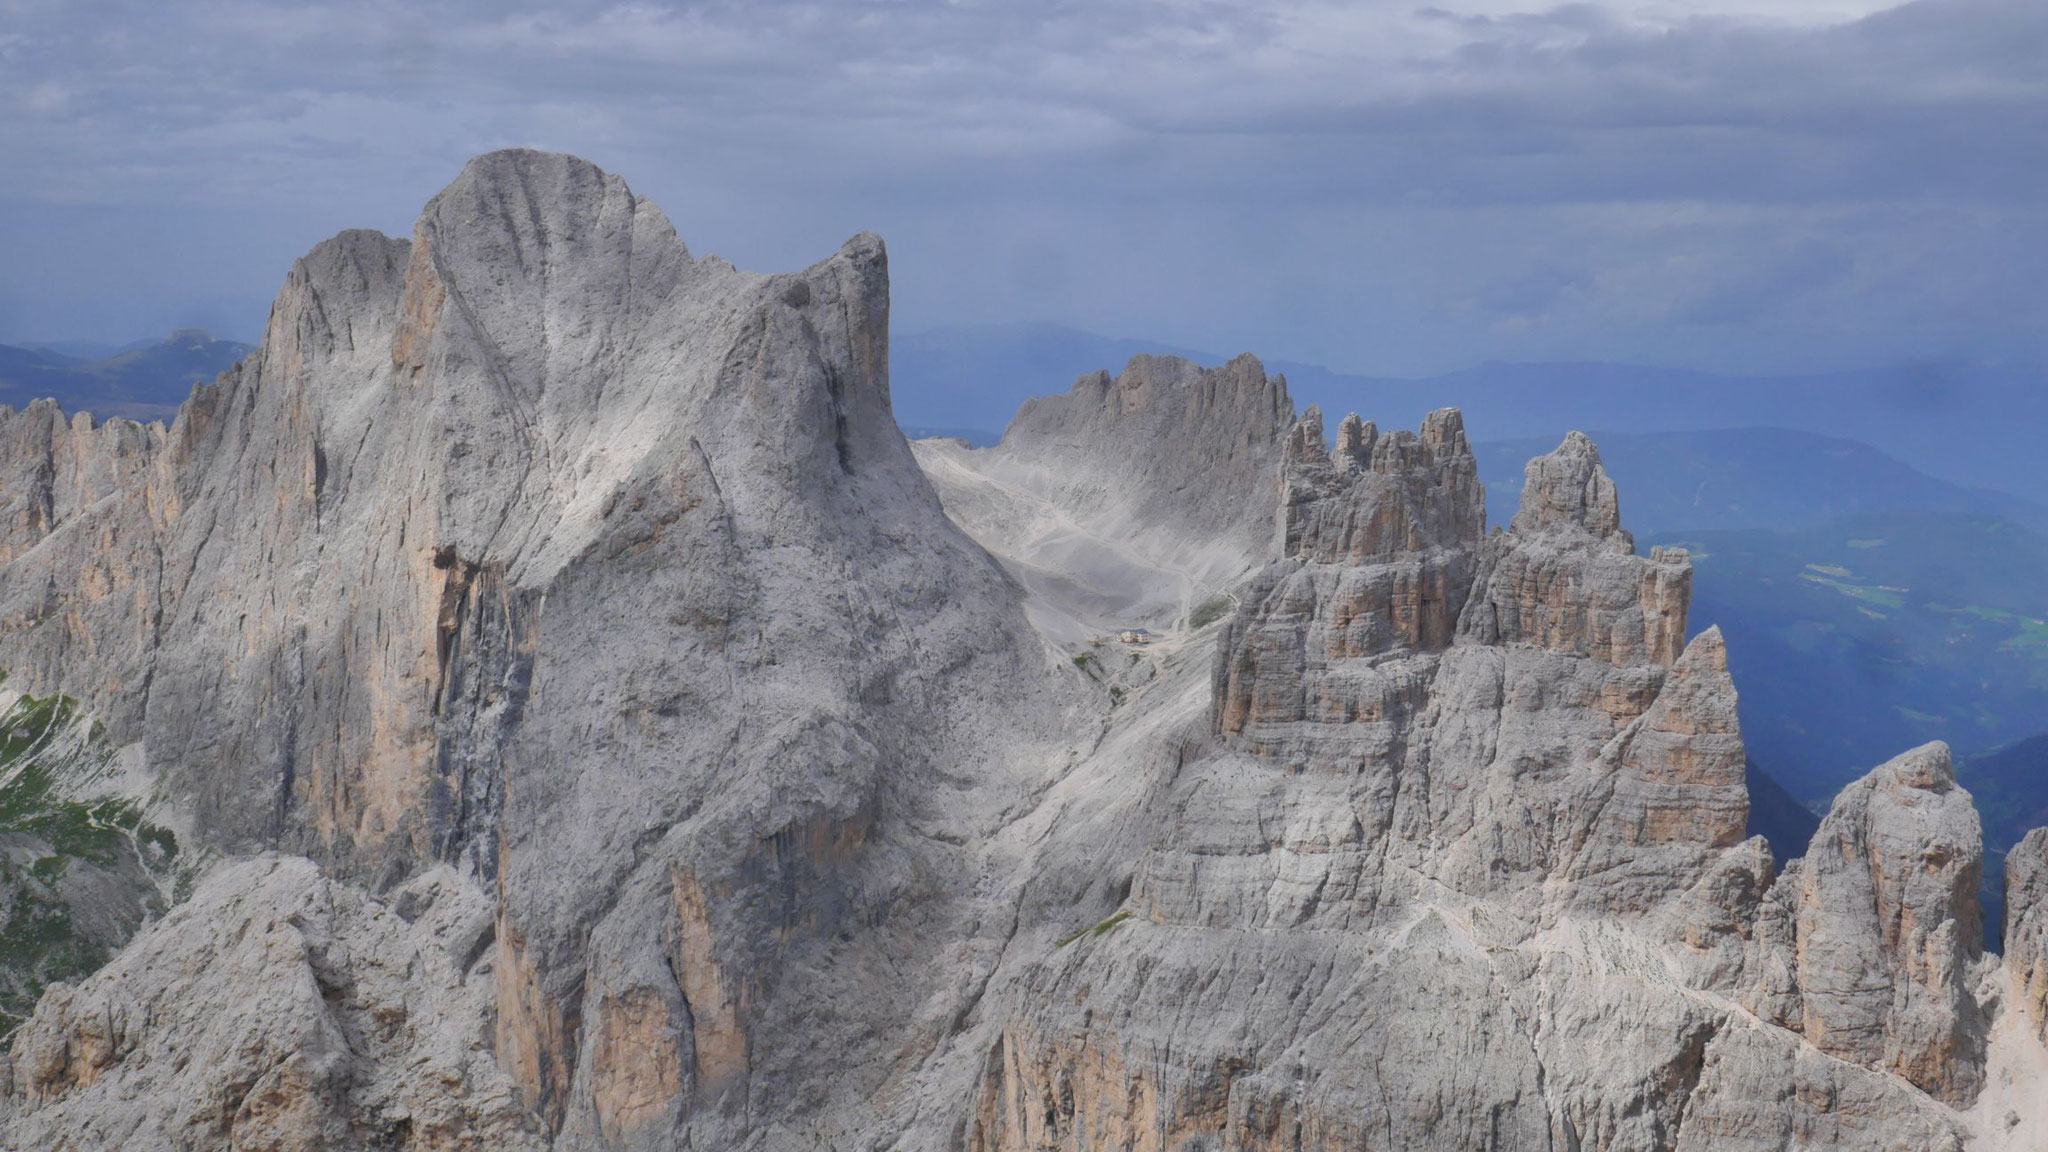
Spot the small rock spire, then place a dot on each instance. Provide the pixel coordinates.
(1568, 488)
(1305, 441)
(1355, 440)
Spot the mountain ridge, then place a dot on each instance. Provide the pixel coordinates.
(622, 738)
(144, 380)
(1967, 422)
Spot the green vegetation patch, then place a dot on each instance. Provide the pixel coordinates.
(53, 821)
(1211, 610)
(1102, 929)
(38, 946)
(2031, 640)
(1993, 615)
(1837, 578)
(30, 801)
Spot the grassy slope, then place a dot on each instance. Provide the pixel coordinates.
(79, 867)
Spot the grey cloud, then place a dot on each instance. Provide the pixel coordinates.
(1381, 186)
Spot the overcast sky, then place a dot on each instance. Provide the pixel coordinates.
(1728, 184)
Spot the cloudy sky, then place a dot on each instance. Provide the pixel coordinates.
(1739, 185)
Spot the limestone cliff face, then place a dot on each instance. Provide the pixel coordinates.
(1383, 544)
(1461, 863)
(278, 1009)
(1138, 500)
(1885, 930)
(1520, 700)
(58, 466)
(537, 547)
(655, 764)
(1192, 443)
(2026, 925)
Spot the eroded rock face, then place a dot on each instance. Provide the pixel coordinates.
(57, 466)
(1573, 582)
(2026, 925)
(1885, 935)
(279, 1009)
(1128, 501)
(1192, 444)
(1403, 845)
(1378, 497)
(1383, 547)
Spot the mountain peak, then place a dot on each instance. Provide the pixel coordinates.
(1569, 489)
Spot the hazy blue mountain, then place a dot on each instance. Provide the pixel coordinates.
(1775, 478)
(1860, 637)
(144, 382)
(2010, 785)
(978, 377)
(83, 350)
(978, 437)
(1974, 424)
(1777, 816)
(28, 360)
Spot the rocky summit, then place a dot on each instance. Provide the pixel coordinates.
(538, 700)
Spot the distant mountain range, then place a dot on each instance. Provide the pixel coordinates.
(146, 380)
(1750, 478)
(1978, 425)
(2010, 786)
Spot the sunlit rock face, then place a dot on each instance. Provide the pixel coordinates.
(1887, 928)
(2026, 924)
(609, 734)
(538, 547)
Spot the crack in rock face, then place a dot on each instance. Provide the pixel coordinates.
(584, 723)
